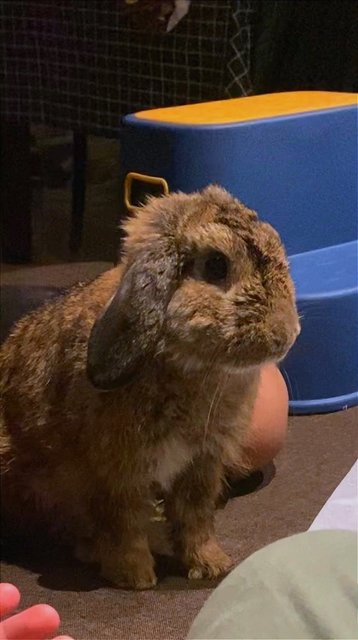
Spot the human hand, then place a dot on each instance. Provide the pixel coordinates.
(36, 623)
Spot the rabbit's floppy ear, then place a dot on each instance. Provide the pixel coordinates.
(128, 330)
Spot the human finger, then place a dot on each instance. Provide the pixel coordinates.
(36, 623)
(9, 598)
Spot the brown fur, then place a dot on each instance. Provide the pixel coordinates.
(181, 360)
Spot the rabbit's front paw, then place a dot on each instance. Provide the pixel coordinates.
(207, 561)
(139, 578)
(132, 570)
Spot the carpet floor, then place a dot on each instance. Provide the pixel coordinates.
(319, 452)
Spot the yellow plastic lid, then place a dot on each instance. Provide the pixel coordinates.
(250, 108)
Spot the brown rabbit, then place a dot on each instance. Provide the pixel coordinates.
(146, 377)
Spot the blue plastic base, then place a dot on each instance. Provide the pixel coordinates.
(325, 405)
(321, 369)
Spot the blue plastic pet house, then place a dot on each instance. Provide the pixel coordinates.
(293, 158)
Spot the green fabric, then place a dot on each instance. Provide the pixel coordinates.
(304, 587)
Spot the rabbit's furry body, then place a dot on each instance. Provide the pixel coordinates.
(176, 360)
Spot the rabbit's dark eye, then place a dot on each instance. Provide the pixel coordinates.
(215, 267)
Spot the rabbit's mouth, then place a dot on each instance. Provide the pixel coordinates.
(261, 344)
(234, 349)
(268, 347)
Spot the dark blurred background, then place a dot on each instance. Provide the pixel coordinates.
(71, 69)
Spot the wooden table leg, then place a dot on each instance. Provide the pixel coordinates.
(15, 193)
(78, 190)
